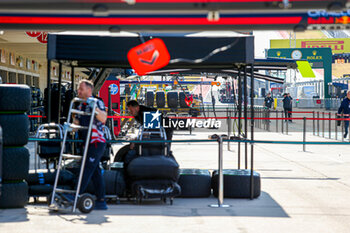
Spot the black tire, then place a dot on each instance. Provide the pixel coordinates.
(86, 203)
(42, 177)
(150, 98)
(15, 129)
(15, 163)
(172, 99)
(122, 152)
(153, 167)
(195, 183)
(114, 183)
(14, 195)
(14, 98)
(44, 189)
(182, 101)
(160, 99)
(237, 183)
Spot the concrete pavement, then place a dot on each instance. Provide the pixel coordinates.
(301, 191)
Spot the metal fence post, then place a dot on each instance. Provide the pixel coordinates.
(329, 126)
(265, 113)
(35, 156)
(318, 123)
(268, 120)
(304, 133)
(228, 128)
(313, 123)
(336, 128)
(256, 114)
(276, 121)
(221, 177)
(252, 136)
(342, 128)
(323, 135)
(287, 127)
(282, 126)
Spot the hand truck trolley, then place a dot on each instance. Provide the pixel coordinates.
(59, 197)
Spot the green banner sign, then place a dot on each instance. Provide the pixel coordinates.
(317, 57)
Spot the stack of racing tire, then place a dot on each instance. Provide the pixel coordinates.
(14, 103)
(173, 99)
(154, 176)
(237, 183)
(160, 99)
(149, 98)
(41, 182)
(195, 183)
(199, 183)
(154, 173)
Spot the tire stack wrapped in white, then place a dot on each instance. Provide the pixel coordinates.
(14, 103)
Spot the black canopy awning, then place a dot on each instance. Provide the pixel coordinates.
(110, 49)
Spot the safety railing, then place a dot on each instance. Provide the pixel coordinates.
(308, 103)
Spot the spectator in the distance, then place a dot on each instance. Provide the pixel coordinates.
(287, 106)
(345, 109)
(268, 104)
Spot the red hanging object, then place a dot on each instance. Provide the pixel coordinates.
(149, 56)
(189, 100)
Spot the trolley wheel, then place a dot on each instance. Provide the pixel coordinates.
(86, 203)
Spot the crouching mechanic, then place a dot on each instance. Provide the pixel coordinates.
(97, 145)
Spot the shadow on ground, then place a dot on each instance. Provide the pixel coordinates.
(264, 206)
(13, 215)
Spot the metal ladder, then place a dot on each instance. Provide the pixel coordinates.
(86, 200)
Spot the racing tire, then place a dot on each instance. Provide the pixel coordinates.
(42, 177)
(15, 164)
(195, 183)
(14, 195)
(160, 99)
(15, 129)
(172, 99)
(44, 189)
(237, 183)
(114, 183)
(153, 167)
(14, 98)
(121, 153)
(150, 99)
